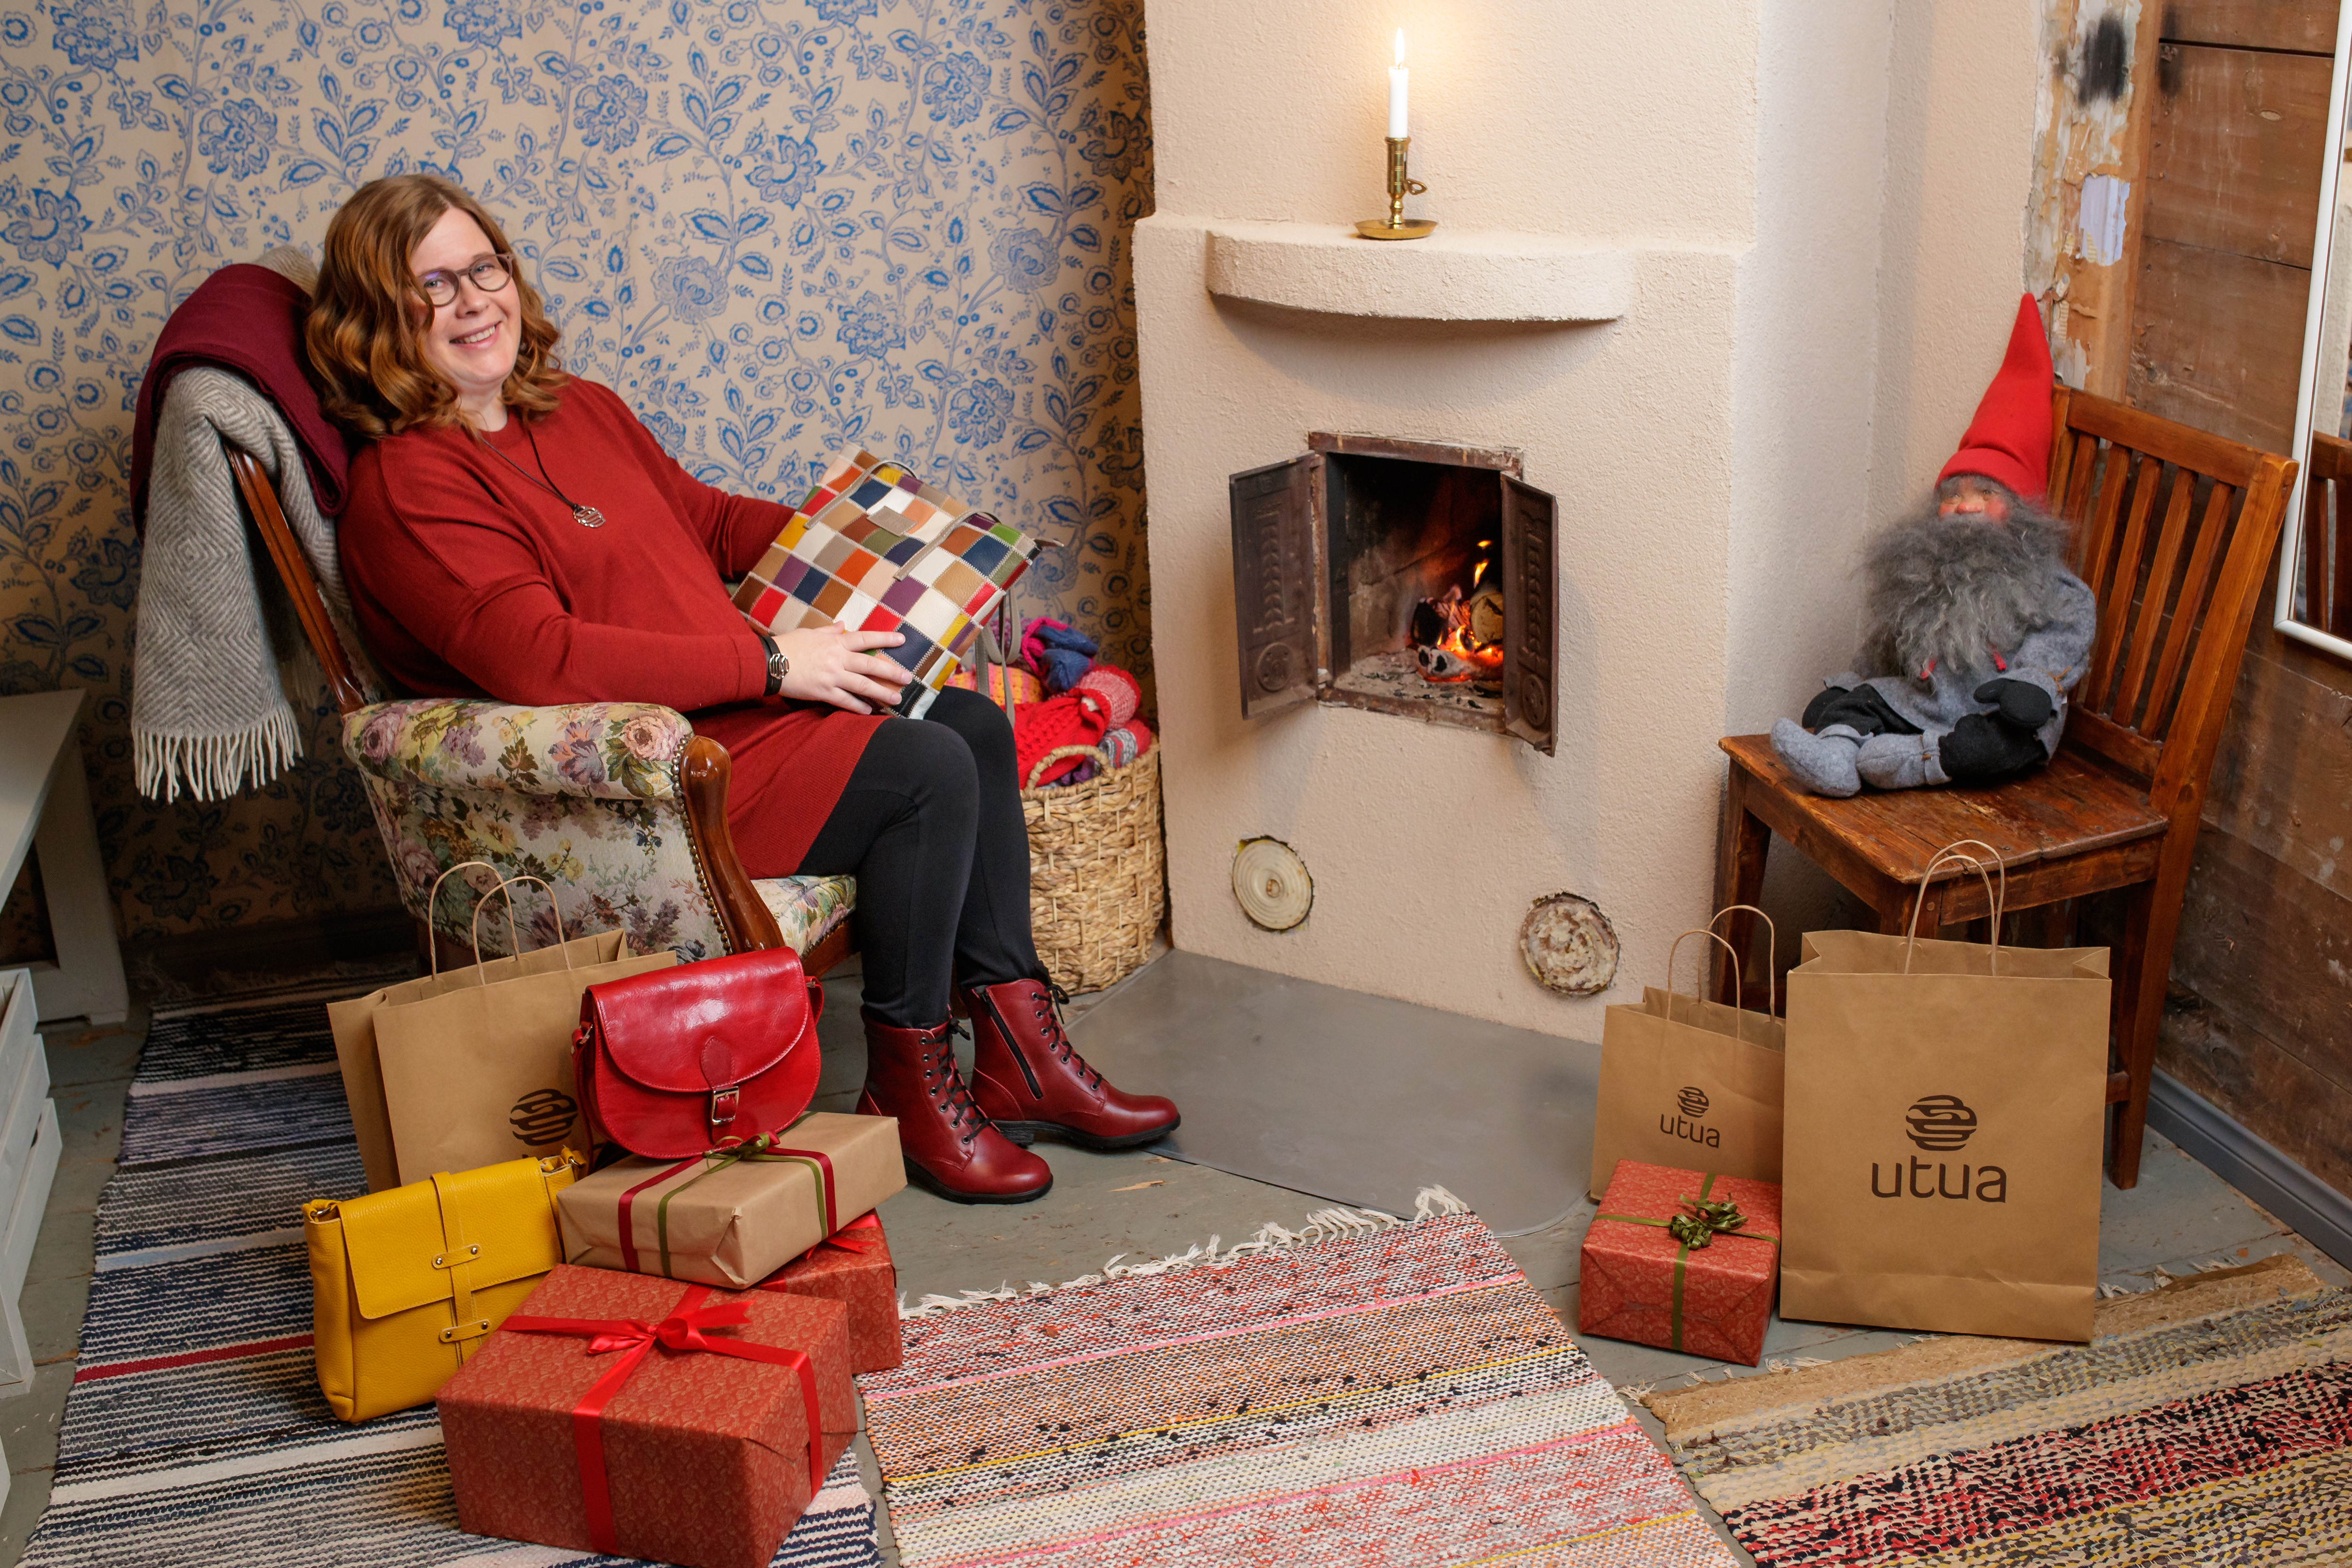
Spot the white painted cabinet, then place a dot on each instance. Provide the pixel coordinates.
(28, 1164)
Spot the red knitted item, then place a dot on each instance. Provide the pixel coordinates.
(1074, 719)
(1120, 692)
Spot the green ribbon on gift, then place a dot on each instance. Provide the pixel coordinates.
(1699, 1228)
(765, 1149)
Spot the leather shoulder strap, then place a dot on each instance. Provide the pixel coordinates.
(458, 1256)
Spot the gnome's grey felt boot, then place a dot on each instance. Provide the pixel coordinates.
(1902, 761)
(1824, 761)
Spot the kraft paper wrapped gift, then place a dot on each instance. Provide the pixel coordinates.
(853, 1268)
(733, 1216)
(644, 1417)
(1686, 1286)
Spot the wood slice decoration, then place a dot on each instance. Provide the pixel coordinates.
(1569, 946)
(1272, 883)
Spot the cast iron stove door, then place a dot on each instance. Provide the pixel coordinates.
(1276, 583)
(1530, 619)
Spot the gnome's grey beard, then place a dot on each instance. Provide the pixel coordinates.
(1948, 591)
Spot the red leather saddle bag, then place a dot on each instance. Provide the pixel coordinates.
(676, 1062)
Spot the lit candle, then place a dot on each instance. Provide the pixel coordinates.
(1396, 88)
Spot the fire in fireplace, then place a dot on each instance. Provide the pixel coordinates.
(1404, 577)
(1459, 636)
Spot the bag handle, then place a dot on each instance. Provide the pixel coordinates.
(434, 892)
(1771, 956)
(513, 939)
(1102, 767)
(986, 648)
(1740, 1015)
(2000, 902)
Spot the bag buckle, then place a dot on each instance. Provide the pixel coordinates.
(465, 1255)
(723, 1103)
(460, 1332)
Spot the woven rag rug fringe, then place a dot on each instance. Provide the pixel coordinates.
(1322, 1225)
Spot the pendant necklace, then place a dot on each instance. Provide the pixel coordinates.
(585, 516)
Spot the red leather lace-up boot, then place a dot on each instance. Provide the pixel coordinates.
(911, 1074)
(1029, 1080)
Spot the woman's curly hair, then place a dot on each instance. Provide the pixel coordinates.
(365, 330)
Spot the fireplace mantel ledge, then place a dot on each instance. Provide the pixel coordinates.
(1454, 275)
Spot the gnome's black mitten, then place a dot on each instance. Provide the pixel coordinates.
(1983, 746)
(2022, 703)
(1860, 707)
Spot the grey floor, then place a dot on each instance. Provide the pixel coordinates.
(1141, 1204)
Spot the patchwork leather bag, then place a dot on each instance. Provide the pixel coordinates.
(407, 1284)
(680, 1060)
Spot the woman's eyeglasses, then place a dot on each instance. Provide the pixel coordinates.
(487, 275)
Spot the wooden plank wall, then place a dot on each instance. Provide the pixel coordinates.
(2260, 1021)
(2224, 252)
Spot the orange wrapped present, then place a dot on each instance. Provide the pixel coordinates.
(1683, 1260)
(852, 1267)
(642, 1417)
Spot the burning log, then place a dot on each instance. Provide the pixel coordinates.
(1457, 639)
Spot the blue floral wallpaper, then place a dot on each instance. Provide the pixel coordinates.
(775, 225)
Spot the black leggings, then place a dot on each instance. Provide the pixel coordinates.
(931, 826)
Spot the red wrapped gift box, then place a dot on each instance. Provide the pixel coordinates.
(645, 1417)
(1641, 1282)
(852, 1267)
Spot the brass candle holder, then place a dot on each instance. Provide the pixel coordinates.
(1400, 185)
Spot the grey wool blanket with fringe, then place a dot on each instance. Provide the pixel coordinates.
(217, 641)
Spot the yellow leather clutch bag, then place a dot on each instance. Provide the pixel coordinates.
(405, 1283)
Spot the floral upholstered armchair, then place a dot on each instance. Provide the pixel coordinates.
(620, 808)
(597, 799)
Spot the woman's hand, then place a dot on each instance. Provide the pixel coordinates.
(830, 665)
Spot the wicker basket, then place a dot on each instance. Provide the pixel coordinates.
(1097, 882)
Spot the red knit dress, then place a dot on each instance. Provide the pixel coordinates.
(470, 580)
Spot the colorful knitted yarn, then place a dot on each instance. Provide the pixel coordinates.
(1128, 742)
(1074, 719)
(1060, 653)
(1026, 688)
(1120, 691)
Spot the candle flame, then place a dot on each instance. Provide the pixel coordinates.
(1399, 47)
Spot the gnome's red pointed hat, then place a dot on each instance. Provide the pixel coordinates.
(2008, 440)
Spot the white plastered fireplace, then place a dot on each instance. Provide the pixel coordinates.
(1725, 275)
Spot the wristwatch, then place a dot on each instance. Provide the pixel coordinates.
(778, 665)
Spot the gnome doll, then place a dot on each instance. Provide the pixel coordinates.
(1976, 627)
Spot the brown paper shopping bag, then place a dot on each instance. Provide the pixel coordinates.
(353, 1023)
(1689, 1084)
(1945, 1105)
(482, 1074)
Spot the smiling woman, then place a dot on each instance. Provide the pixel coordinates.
(380, 375)
(517, 532)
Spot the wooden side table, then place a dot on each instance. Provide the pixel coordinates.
(45, 809)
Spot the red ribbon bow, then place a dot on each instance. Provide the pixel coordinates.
(681, 1331)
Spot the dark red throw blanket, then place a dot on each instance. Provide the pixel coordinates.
(246, 318)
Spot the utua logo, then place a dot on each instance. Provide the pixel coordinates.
(543, 1117)
(1693, 1102)
(1941, 1124)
